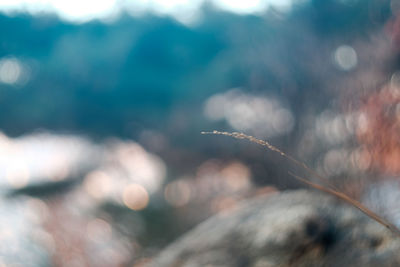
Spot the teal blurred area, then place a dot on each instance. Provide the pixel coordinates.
(119, 78)
(100, 147)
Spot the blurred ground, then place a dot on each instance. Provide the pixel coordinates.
(102, 160)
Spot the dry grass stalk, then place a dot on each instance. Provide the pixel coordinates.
(329, 188)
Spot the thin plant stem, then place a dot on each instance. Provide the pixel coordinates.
(330, 188)
(352, 202)
(275, 149)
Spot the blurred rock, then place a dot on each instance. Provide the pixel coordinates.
(294, 228)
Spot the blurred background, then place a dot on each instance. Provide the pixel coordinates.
(102, 104)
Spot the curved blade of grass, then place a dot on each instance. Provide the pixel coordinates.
(352, 202)
(275, 149)
(330, 189)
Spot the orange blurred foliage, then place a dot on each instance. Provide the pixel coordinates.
(378, 129)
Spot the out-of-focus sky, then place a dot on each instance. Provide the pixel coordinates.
(183, 10)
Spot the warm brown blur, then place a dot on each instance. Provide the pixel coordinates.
(379, 129)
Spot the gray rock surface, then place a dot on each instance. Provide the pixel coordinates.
(294, 228)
